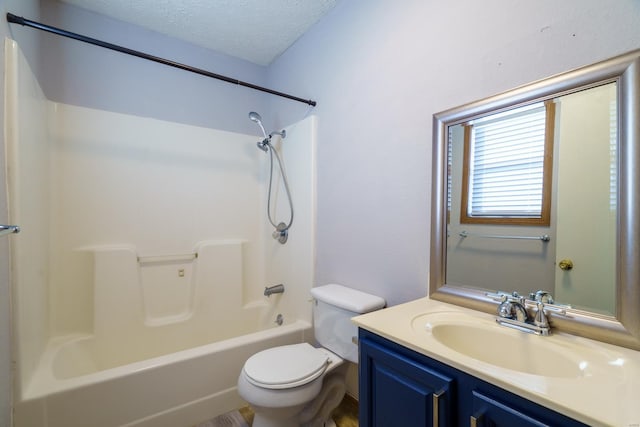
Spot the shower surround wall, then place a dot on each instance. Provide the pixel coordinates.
(25, 121)
(141, 239)
(124, 187)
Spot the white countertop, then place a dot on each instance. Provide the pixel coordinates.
(606, 394)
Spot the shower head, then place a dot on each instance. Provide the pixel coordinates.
(255, 117)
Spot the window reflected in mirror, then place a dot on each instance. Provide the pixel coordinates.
(506, 167)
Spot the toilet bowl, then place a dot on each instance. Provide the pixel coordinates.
(300, 385)
(279, 382)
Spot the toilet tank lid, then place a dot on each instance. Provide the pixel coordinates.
(347, 298)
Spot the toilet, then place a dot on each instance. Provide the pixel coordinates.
(300, 385)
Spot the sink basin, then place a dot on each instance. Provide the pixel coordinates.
(484, 340)
(523, 353)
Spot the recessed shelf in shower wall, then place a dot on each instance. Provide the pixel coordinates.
(167, 283)
(156, 291)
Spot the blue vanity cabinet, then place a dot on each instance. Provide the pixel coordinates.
(401, 387)
(400, 391)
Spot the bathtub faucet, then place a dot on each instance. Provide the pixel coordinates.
(275, 289)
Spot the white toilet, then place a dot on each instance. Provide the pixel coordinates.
(299, 385)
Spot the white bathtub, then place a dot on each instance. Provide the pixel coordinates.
(70, 388)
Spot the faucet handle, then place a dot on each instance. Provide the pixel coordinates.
(512, 309)
(541, 317)
(542, 296)
(519, 312)
(505, 309)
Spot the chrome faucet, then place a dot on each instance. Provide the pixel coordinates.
(275, 289)
(512, 312)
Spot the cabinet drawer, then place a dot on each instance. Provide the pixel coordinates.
(492, 412)
(488, 412)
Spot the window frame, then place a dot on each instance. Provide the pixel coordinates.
(547, 172)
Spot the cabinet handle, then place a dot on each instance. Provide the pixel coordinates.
(473, 421)
(436, 407)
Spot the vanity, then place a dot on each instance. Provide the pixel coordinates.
(428, 363)
(535, 191)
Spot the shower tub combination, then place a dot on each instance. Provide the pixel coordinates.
(166, 355)
(135, 302)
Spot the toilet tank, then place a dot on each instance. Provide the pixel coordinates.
(334, 306)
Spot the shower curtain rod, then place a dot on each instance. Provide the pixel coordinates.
(33, 24)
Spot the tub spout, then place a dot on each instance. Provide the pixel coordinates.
(275, 289)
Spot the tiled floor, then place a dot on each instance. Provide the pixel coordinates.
(345, 415)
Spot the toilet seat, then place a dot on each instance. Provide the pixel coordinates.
(286, 366)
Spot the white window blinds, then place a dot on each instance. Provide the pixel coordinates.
(507, 164)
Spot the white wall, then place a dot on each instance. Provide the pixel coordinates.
(379, 71)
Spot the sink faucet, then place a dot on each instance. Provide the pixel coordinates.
(512, 312)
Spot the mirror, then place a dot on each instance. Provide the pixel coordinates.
(532, 199)
(537, 189)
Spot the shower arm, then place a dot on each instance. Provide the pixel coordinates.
(282, 133)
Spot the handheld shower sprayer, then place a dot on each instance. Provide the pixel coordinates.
(255, 117)
(281, 234)
(264, 144)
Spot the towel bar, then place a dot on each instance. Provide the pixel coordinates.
(544, 237)
(166, 258)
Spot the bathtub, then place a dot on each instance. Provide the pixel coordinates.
(70, 389)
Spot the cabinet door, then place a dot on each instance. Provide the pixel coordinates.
(488, 412)
(398, 391)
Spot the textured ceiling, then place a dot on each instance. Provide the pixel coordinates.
(255, 30)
